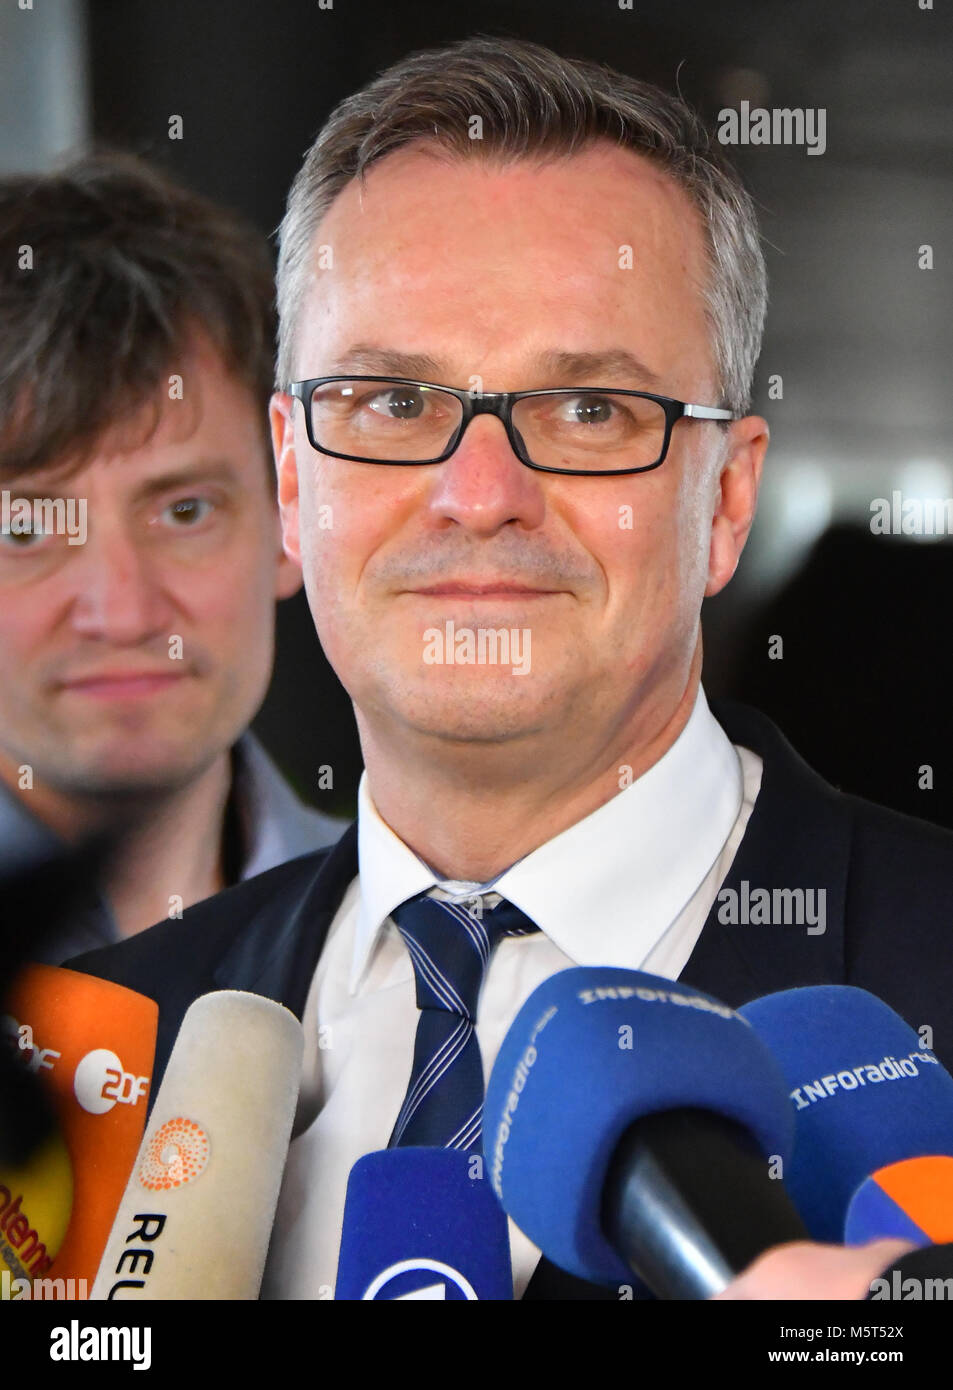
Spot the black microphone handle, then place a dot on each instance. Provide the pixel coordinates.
(688, 1202)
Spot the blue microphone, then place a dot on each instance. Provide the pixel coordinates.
(422, 1224)
(912, 1200)
(633, 1124)
(864, 1094)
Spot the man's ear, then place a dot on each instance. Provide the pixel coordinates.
(289, 577)
(738, 482)
(281, 417)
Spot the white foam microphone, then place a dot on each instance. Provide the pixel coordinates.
(196, 1216)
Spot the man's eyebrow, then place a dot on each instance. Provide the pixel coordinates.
(202, 471)
(375, 361)
(45, 483)
(596, 368)
(561, 366)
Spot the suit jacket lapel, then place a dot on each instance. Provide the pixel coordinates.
(277, 958)
(798, 837)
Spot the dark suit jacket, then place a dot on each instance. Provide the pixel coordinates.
(889, 918)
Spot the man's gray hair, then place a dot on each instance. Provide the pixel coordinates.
(534, 104)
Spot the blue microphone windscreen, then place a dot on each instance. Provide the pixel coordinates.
(912, 1199)
(864, 1093)
(417, 1225)
(874, 1215)
(591, 1051)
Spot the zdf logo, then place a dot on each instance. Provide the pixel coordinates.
(100, 1082)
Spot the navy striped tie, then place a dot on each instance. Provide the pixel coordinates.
(450, 947)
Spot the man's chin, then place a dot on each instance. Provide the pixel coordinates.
(131, 775)
(479, 716)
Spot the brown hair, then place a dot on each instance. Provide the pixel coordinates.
(535, 104)
(126, 265)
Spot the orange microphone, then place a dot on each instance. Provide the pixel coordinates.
(91, 1044)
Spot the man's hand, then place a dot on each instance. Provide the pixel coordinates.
(803, 1270)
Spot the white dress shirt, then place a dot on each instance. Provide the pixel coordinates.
(630, 885)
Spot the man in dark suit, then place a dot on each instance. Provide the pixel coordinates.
(513, 605)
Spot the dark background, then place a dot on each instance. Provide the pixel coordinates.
(861, 337)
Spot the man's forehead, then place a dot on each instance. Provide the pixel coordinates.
(156, 475)
(420, 200)
(419, 208)
(197, 410)
(600, 251)
(568, 366)
(160, 429)
(492, 175)
(159, 445)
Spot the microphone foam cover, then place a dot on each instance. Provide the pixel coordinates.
(912, 1200)
(591, 1051)
(864, 1093)
(196, 1216)
(422, 1224)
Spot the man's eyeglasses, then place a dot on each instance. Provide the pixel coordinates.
(579, 429)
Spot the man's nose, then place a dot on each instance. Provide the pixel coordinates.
(117, 594)
(483, 485)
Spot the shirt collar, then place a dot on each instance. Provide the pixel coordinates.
(390, 873)
(606, 889)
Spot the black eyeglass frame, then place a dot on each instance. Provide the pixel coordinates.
(500, 404)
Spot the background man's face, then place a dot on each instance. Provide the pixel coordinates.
(182, 542)
(484, 269)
